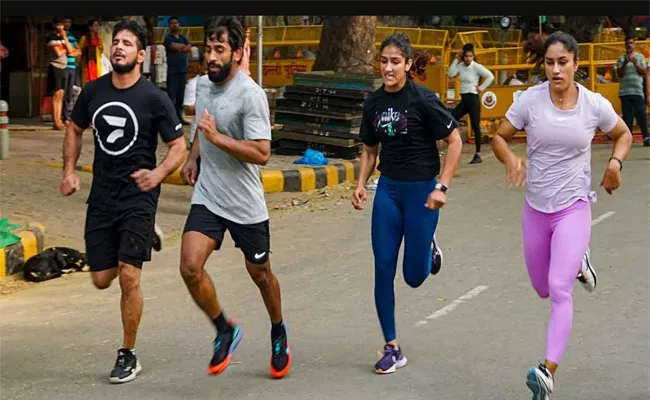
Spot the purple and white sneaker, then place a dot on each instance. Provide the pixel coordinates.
(436, 256)
(391, 360)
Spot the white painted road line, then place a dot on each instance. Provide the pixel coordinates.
(602, 217)
(450, 307)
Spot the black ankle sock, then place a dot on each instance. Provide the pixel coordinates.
(277, 329)
(221, 323)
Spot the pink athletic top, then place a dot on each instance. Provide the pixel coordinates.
(559, 144)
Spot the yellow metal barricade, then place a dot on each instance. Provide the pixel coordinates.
(500, 52)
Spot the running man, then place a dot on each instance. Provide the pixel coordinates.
(470, 73)
(560, 118)
(406, 119)
(126, 112)
(234, 138)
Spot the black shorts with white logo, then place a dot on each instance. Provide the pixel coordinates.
(113, 237)
(253, 239)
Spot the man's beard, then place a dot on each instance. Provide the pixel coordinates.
(124, 68)
(222, 75)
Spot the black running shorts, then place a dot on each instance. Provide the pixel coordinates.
(113, 237)
(60, 78)
(253, 240)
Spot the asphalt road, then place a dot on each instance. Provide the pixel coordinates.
(58, 339)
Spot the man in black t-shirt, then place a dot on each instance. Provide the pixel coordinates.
(126, 112)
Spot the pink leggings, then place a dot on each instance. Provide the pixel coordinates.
(554, 245)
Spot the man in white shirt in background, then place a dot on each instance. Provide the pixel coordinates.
(189, 97)
(470, 73)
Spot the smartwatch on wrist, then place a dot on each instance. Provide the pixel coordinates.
(619, 161)
(441, 187)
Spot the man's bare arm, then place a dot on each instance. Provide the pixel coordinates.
(71, 148)
(174, 157)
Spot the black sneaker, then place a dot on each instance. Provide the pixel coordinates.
(280, 355)
(225, 344)
(646, 142)
(436, 257)
(158, 236)
(127, 367)
(476, 159)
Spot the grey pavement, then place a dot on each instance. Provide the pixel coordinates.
(59, 338)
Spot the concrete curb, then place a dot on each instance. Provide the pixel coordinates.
(301, 179)
(30, 128)
(12, 258)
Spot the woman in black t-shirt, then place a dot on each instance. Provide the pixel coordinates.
(406, 119)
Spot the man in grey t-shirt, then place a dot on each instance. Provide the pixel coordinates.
(233, 139)
(631, 70)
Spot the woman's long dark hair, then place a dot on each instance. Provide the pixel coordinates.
(403, 44)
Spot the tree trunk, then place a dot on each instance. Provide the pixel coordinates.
(583, 29)
(627, 24)
(347, 44)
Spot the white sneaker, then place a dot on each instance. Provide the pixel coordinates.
(540, 382)
(158, 238)
(587, 275)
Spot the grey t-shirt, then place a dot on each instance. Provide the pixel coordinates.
(631, 82)
(227, 186)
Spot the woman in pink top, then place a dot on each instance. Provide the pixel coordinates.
(560, 118)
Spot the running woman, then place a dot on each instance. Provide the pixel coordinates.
(234, 138)
(406, 119)
(560, 118)
(470, 73)
(126, 112)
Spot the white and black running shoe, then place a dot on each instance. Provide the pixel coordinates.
(127, 367)
(540, 381)
(587, 275)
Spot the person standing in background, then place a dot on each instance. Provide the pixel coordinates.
(91, 47)
(189, 99)
(177, 46)
(244, 66)
(59, 47)
(470, 74)
(631, 68)
(71, 70)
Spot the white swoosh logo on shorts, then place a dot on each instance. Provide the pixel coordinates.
(450, 122)
(258, 256)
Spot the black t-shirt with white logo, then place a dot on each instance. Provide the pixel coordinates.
(407, 123)
(125, 123)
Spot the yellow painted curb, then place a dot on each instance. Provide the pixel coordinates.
(302, 179)
(13, 258)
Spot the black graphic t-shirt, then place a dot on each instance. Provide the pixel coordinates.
(407, 124)
(125, 123)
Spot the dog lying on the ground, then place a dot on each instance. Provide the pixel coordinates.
(54, 262)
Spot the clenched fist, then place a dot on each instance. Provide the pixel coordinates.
(70, 184)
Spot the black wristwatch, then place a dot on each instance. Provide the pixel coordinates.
(619, 162)
(441, 187)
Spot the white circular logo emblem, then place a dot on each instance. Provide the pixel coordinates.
(117, 123)
(489, 100)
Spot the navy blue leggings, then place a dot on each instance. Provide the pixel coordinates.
(399, 211)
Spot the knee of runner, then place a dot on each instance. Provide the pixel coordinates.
(558, 290)
(129, 278)
(413, 280)
(191, 270)
(101, 283)
(260, 273)
(543, 294)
